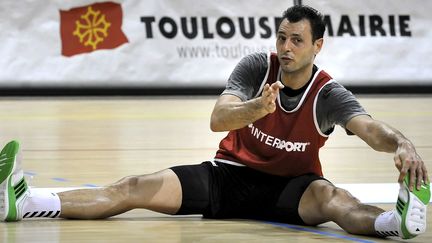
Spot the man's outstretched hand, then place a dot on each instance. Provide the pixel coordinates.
(269, 95)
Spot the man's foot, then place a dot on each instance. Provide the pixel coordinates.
(411, 209)
(13, 187)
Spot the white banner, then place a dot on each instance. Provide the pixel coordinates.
(186, 43)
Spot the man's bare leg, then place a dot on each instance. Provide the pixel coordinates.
(159, 192)
(323, 202)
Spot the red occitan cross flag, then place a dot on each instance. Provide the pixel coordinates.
(90, 28)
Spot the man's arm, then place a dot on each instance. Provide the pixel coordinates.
(231, 113)
(382, 137)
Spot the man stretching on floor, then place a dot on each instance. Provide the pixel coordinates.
(279, 109)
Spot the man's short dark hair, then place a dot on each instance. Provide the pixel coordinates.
(299, 12)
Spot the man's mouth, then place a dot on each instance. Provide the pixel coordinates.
(287, 58)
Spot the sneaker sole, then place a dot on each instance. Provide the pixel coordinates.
(10, 195)
(419, 199)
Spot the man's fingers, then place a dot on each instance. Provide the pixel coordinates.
(425, 175)
(402, 175)
(401, 168)
(266, 91)
(279, 84)
(413, 179)
(408, 161)
(419, 177)
(276, 86)
(269, 95)
(266, 88)
(271, 91)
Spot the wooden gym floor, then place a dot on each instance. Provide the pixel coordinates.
(87, 142)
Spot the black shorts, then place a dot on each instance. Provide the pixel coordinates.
(220, 190)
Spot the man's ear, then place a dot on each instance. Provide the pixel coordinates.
(318, 45)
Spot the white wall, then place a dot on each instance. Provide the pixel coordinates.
(395, 50)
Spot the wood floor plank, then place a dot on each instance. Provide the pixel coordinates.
(76, 142)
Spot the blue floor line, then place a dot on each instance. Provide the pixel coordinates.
(333, 235)
(90, 185)
(29, 173)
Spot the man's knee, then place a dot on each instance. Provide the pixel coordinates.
(152, 189)
(338, 205)
(329, 199)
(336, 199)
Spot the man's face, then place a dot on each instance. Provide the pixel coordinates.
(294, 46)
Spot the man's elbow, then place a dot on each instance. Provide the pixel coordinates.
(214, 128)
(215, 125)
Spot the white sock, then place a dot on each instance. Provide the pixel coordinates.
(41, 203)
(386, 224)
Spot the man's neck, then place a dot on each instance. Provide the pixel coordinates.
(297, 80)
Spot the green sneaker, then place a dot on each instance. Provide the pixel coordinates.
(13, 187)
(411, 209)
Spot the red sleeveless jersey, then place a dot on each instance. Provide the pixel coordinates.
(284, 143)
